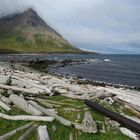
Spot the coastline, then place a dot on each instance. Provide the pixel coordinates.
(52, 65)
(56, 91)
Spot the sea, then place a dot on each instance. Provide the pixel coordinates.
(116, 69)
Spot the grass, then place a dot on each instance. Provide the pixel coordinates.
(57, 131)
(16, 42)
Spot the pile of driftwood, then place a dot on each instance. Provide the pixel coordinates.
(39, 113)
(20, 88)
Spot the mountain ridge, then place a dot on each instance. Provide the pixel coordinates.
(28, 33)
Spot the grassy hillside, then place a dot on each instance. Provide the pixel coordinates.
(15, 42)
(28, 33)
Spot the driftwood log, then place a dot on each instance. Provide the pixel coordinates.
(47, 112)
(132, 110)
(13, 132)
(129, 133)
(133, 118)
(4, 79)
(43, 133)
(28, 133)
(124, 95)
(115, 116)
(21, 103)
(15, 88)
(5, 100)
(4, 106)
(31, 83)
(137, 108)
(26, 118)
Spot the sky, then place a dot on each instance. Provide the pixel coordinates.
(103, 26)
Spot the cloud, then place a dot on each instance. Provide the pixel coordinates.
(105, 26)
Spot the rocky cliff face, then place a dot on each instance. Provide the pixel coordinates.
(28, 33)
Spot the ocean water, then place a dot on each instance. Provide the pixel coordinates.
(116, 69)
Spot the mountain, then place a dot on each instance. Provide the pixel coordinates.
(28, 33)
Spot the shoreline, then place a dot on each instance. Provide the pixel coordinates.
(24, 85)
(55, 64)
(82, 52)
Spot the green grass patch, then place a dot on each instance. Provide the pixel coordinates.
(57, 131)
(16, 42)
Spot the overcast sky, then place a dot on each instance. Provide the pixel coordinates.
(104, 26)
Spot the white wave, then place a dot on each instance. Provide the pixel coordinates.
(107, 60)
(92, 60)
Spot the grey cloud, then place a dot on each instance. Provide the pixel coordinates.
(106, 26)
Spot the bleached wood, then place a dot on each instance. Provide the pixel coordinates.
(4, 106)
(21, 103)
(129, 99)
(13, 132)
(28, 133)
(128, 96)
(26, 118)
(29, 83)
(3, 79)
(47, 112)
(125, 103)
(132, 110)
(129, 133)
(5, 100)
(43, 133)
(14, 88)
(132, 118)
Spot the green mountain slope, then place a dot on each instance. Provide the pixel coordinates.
(28, 33)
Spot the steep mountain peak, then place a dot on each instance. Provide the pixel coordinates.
(27, 32)
(33, 19)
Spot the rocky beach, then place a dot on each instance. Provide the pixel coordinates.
(53, 107)
(69, 70)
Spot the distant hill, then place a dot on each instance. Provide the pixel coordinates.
(28, 33)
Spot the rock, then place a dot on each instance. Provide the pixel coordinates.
(88, 124)
(109, 100)
(114, 124)
(111, 124)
